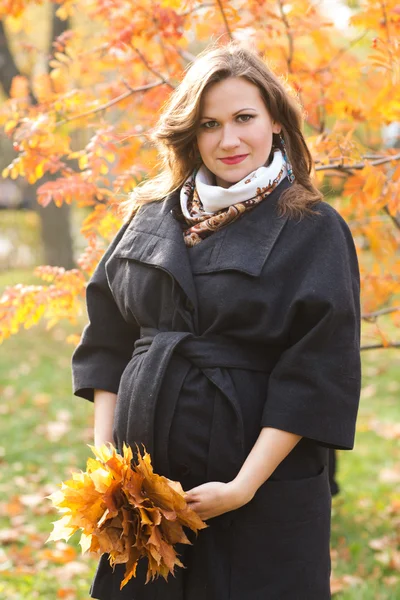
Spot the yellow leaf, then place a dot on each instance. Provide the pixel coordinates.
(102, 479)
(61, 530)
(39, 171)
(61, 57)
(125, 510)
(9, 126)
(83, 162)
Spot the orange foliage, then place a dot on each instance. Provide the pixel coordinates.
(26, 305)
(107, 83)
(126, 510)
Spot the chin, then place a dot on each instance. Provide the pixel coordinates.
(234, 177)
(231, 173)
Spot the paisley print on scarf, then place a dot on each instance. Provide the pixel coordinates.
(254, 189)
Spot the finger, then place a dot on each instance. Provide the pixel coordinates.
(192, 489)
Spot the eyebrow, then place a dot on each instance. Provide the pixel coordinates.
(233, 115)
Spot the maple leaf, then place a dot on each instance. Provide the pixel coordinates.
(121, 507)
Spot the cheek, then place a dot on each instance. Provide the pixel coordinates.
(262, 139)
(205, 145)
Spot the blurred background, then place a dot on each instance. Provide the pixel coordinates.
(81, 83)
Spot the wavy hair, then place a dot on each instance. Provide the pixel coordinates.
(175, 133)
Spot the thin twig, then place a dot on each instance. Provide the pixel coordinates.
(357, 166)
(112, 102)
(395, 218)
(228, 30)
(321, 111)
(289, 36)
(372, 156)
(150, 68)
(344, 50)
(340, 52)
(185, 54)
(368, 220)
(164, 55)
(377, 346)
(385, 21)
(196, 8)
(371, 317)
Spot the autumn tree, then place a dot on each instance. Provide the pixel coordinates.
(55, 224)
(115, 66)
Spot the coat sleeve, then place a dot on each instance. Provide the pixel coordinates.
(107, 341)
(314, 388)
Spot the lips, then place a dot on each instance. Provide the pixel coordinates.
(233, 160)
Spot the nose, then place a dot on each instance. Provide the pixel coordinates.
(229, 139)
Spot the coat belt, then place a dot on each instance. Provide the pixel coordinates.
(210, 353)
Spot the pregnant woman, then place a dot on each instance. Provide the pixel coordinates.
(224, 335)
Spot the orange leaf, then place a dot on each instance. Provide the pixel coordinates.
(126, 510)
(19, 87)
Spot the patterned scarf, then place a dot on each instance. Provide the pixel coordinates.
(207, 207)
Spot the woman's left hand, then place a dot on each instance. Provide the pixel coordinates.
(215, 498)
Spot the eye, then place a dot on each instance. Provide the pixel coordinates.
(209, 125)
(245, 118)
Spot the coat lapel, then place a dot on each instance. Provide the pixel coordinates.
(155, 237)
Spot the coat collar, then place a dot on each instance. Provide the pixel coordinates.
(155, 237)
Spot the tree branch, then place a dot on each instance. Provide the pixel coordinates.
(185, 54)
(150, 68)
(228, 30)
(321, 110)
(357, 166)
(59, 26)
(112, 102)
(288, 34)
(371, 317)
(190, 11)
(377, 346)
(368, 220)
(339, 53)
(385, 22)
(395, 218)
(8, 67)
(343, 51)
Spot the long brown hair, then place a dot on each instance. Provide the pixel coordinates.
(175, 133)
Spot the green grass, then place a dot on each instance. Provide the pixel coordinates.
(369, 506)
(36, 453)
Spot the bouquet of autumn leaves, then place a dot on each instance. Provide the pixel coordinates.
(126, 510)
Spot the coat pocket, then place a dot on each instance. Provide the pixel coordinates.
(288, 500)
(280, 542)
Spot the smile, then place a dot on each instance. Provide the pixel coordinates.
(233, 160)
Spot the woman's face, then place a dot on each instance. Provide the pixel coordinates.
(235, 133)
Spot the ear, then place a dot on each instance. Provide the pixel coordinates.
(276, 127)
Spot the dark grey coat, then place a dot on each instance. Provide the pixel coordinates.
(257, 326)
